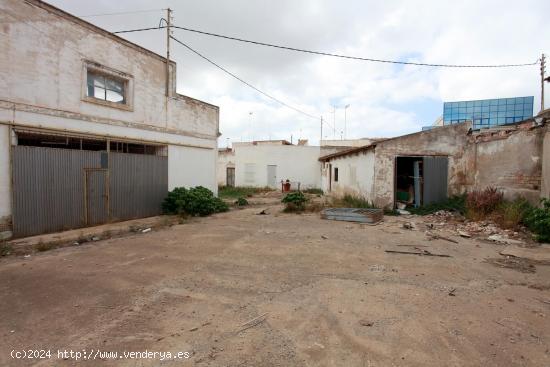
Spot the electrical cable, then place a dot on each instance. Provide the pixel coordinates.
(120, 13)
(243, 81)
(352, 57)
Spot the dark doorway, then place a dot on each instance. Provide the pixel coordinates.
(420, 180)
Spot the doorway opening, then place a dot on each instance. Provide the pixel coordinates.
(420, 180)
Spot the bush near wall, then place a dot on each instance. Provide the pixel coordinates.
(196, 201)
(538, 221)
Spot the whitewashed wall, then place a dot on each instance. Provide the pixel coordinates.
(296, 163)
(189, 167)
(355, 175)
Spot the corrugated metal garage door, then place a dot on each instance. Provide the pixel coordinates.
(138, 185)
(60, 189)
(48, 188)
(435, 179)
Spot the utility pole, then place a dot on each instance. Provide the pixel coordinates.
(542, 70)
(346, 121)
(321, 139)
(334, 122)
(168, 34)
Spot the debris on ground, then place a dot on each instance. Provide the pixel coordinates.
(514, 263)
(324, 237)
(505, 240)
(419, 253)
(255, 321)
(452, 292)
(540, 254)
(435, 236)
(263, 212)
(409, 225)
(146, 230)
(96, 238)
(362, 215)
(366, 323)
(463, 234)
(403, 212)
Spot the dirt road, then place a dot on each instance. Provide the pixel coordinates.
(240, 289)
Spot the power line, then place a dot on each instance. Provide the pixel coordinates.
(353, 57)
(139, 30)
(322, 53)
(243, 81)
(119, 13)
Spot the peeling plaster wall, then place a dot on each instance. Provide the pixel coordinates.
(510, 160)
(42, 65)
(448, 141)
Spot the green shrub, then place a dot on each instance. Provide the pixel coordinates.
(510, 214)
(455, 203)
(481, 203)
(170, 205)
(295, 201)
(5, 249)
(538, 221)
(194, 201)
(241, 202)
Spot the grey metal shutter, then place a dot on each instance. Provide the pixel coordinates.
(435, 179)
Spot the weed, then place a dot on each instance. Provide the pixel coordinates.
(241, 202)
(42, 246)
(510, 214)
(237, 192)
(295, 202)
(480, 203)
(455, 203)
(350, 201)
(391, 212)
(538, 221)
(5, 249)
(314, 191)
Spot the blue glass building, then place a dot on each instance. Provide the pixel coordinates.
(488, 112)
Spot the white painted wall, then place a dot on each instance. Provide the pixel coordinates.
(296, 163)
(189, 167)
(355, 175)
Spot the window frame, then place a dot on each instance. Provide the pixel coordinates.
(335, 174)
(127, 81)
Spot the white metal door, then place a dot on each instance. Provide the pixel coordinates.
(272, 175)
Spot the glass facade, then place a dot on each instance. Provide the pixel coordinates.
(488, 112)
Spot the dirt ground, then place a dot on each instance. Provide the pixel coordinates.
(240, 289)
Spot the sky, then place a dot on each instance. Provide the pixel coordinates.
(384, 100)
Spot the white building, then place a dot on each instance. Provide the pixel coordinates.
(91, 127)
(267, 163)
